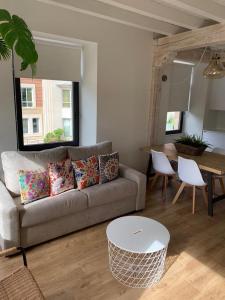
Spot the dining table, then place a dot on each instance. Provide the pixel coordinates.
(211, 163)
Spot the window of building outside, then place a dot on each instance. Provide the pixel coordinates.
(66, 98)
(174, 122)
(35, 123)
(67, 127)
(27, 96)
(31, 125)
(25, 125)
(47, 113)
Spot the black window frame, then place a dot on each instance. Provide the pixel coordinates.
(39, 147)
(180, 130)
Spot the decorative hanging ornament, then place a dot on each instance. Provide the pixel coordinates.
(215, 69)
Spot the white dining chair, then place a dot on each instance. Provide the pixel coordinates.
(190, 175)
(162, 168)
(219, 177)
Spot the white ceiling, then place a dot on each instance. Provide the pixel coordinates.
(165, 17)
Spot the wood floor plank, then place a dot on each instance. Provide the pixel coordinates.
(75, 267)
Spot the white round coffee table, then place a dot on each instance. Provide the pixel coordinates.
(137, 250)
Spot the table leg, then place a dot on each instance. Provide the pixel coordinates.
(149, 169)
(210, 194)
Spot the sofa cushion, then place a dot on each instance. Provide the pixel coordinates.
(77, 153)
(61, 176)
(86, 172)
(108, 167)
(33, 185)
(112, 191)
(51, 208)
(13, 161)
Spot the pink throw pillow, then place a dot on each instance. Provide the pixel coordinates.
(33, 185)
(61, 177)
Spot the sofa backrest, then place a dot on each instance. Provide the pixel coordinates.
(83, 152)
(14, 161)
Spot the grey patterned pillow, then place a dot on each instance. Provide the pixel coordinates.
(108, 167)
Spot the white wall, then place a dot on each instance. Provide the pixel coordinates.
(124, 68)
(194, 119)
(88, 95)
(8, 139)
(215, 110)
(215, 139)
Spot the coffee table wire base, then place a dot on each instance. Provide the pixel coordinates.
(136, 270)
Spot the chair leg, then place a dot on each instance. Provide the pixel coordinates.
(222, 184)
(175, 181)
(214, 186)
(154, 180)
(205, 196)
(178, 193)
(193, 204)
(165, 183)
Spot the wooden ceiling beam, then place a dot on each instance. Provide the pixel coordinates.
(115, 14)
(204, 8)
(166, 48)
(202, 37)
(157, 11)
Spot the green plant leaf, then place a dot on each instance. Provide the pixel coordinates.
(4, 15)
(5, 52)
(16, 35)
(192, 140)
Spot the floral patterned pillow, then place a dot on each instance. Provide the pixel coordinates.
(33, 185)
(86, 172)
(108, 167)
(61, 177)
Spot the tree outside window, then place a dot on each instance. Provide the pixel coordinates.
(174, 122)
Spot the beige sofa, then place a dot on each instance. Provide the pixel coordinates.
(48, 218)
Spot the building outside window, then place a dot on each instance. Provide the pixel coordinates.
(28, 96)
(35, 124)
(66, 98)
(25, 125)
(31, 126)
(67, 127)
(47, 113)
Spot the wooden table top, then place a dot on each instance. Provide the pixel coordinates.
(208, 161)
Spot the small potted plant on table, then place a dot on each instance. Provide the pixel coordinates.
(191, 145)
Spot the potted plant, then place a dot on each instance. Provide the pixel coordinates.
(191, 145)
(15, 37)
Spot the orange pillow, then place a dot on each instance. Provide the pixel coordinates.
(86, 172)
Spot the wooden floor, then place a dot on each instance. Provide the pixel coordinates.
(76, 266)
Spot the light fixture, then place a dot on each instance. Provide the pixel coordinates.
(183, 62)
(215, 69)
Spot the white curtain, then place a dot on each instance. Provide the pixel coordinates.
(56, 61)
(180, 79)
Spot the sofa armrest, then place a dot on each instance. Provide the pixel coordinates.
(140, 179)
(9, 220)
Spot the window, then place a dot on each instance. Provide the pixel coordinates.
(31, 125)
(35, 124)
(27, 96)
(67, 127)
(66, 98)
(174, 122)
(54, 120)
(25, 126)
